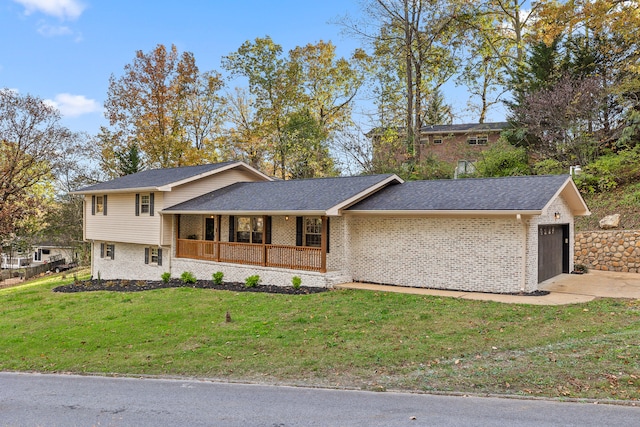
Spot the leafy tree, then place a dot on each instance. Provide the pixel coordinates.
(502, 159)
(296, 103)
(31, 141)
(413, 54)
(559, 118)
(164, 104)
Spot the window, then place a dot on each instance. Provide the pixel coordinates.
(153, 256)
(99, 204)
(478, 140)
(437, 140)
(312, 232)
(107, 250)
(249, 229)
(144, 203)
(465, 167)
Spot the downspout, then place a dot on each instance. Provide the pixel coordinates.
(523, 278)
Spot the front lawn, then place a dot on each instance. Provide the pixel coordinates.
(346, 338)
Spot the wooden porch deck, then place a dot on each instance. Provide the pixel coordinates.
(281, 256)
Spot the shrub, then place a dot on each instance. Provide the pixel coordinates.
(296, 281)
(188, 278)
(166, 276)
(549, 167)
(252, 281)
(581, 268)
(217, 277)
(502, 159)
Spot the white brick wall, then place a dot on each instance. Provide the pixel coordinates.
(475, 254)
(547, 217)
(128, 263)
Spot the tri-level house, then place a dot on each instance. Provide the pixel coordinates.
(491, 235)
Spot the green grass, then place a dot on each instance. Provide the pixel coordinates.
(623, 200)
(359, 339)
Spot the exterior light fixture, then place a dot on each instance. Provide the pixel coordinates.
(556, 215)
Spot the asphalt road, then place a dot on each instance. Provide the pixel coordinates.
(70, 400)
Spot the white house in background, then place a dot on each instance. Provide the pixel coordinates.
(489, 235)
(45, 252)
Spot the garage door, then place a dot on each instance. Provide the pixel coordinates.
(553, 251)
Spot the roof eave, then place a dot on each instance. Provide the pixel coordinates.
(246, 212)
(118, 190)
(444, 212)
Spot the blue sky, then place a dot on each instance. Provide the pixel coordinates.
(65, 50)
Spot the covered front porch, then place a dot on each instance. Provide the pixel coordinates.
(288, 242)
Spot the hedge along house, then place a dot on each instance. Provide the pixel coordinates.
(491, 235)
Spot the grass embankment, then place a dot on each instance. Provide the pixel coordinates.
(360, 339)
(623, 200)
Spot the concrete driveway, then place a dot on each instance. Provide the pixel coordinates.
(563, 289)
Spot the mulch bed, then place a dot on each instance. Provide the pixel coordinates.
(147, 285)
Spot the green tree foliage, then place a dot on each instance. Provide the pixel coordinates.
(295, 105)
(502, 159)
(31, 142)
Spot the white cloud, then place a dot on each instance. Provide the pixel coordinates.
(63, 9)
(73, 105)
(53, 31)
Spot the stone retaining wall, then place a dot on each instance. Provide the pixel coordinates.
(609, 250)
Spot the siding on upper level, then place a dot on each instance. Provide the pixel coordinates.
(196, 188)
(122, 225)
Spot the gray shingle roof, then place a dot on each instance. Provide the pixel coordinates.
(154, 178)
(319, 194)
(520, 193)
(467, 127)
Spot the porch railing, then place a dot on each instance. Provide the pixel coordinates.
(282, 256)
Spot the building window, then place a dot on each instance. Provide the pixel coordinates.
(465, 167)
(107, 250)
(478, 140)
(437, 140)
(144, 203)
(249, 229)
(153, 256)
(313, 231)
(99, 204)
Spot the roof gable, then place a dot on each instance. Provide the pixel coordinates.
(165, 179)
(521, 194)
(308, 196)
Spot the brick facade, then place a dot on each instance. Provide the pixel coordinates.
(128, 262)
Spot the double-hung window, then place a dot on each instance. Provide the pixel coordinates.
(249, 229)
(153, 255)
(99, 204)
(312, 231)
(144, 204)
